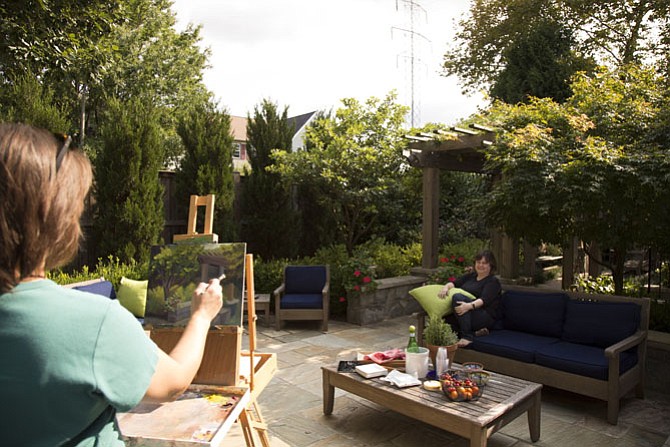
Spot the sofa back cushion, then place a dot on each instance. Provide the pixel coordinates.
(600, 324)
(534, 312)
(102, 287)
(305, 278)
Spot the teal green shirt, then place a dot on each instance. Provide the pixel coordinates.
(69, 360)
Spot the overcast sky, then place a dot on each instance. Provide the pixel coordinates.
(309, 54)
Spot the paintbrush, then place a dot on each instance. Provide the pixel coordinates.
(220, 278)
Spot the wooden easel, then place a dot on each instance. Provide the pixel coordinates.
(191, 233)
(251, 418)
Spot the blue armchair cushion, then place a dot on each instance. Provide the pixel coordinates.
(534, 313)
(302, 301)
(512, 344)
(304, 279)
(104, 288)
(584, 360)
(600, 324)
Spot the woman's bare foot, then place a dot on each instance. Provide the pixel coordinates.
(481, 332)
(463, 342)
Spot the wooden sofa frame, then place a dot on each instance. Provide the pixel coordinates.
(611, 390)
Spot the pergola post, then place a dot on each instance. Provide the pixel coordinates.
(431, 217)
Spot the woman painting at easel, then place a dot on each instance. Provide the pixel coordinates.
(69, 359)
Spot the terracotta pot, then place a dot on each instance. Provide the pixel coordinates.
(451, 352)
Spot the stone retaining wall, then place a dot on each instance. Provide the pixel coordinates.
(390, 299)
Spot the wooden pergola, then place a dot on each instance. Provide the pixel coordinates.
(458, 150)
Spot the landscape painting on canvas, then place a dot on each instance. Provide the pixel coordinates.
(176, 269)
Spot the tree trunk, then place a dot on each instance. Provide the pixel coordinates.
(618, 269)
(82, 115)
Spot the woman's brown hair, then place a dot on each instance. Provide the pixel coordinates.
(40, 203)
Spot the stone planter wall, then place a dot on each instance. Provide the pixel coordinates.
(391, 299)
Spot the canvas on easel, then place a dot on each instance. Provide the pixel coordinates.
(176, 269)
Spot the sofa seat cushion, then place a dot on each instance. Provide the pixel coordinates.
(600, 324)
(302, 301)
(580, 359)
(512, 344)
(534, 313)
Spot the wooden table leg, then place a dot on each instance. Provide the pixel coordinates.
(328, 393)
(478, 436)
(534, 417)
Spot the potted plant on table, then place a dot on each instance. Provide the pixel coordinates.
(439, 333)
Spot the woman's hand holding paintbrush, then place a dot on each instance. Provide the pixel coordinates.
(207, 299)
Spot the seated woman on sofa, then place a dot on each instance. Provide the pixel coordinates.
(476, 317)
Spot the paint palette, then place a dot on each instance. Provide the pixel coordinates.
(201, 416)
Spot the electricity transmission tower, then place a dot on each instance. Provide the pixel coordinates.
(410, 59)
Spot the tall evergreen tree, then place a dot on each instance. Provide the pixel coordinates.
(269, 222)
(539, 64)
(129, 197)
(207, 165)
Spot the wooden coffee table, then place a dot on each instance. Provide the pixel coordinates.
(505, 398)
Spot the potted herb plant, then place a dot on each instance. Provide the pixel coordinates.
(439, 333)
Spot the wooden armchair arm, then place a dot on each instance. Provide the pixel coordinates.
(279, 290)
(625, 344)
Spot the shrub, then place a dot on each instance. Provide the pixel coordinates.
(111, 268)
(268, 275)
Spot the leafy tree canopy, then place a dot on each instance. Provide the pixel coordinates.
(593, 167)
(355, 161)
(609, 32)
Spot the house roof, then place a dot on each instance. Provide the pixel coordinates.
(300, 120)
(238, 127)
(238, 124)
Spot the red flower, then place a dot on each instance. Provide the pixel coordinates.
(357, 287)
(357, 273)
(453, 257)
(444, 259)
(461, 259)
(367, 279)
(342, 299)
(452, 278)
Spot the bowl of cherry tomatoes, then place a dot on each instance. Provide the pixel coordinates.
(460, 388)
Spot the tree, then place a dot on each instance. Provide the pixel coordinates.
(610, 32)
(588, 168)
(539, 64)
(86, 51)
(207, 165)
(28, 101)
(128, 214)
(269, 222)
(354, 161)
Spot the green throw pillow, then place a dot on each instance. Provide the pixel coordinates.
(132, 295)
(431, 303)
(434, 305)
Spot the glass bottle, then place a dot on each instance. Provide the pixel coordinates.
(412, 345)
(441, 361)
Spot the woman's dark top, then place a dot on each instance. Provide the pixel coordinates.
(487, 289)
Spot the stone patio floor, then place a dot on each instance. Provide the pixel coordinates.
(292, 402)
